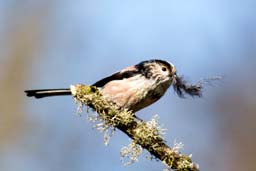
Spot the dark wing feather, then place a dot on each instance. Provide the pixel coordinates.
(125, 73)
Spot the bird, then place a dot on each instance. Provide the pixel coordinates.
(135, 87)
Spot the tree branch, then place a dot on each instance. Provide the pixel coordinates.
(141, 132)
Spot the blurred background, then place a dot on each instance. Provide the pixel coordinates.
(55, 43)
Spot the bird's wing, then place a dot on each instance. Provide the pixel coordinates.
(125, 73)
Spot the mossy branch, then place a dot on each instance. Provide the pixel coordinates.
(143, 134)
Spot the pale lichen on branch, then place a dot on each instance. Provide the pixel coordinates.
(144, 135)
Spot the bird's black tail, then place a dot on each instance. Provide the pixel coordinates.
(47, 92)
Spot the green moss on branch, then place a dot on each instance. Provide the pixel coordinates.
(145, 134)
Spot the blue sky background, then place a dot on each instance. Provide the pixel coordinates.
(52, 44)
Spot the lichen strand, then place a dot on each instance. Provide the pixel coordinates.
(146, 134)
(129, 154)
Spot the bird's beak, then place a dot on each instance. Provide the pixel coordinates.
(173, 77)
(173, 73)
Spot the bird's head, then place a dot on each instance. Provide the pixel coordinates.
(165, 73)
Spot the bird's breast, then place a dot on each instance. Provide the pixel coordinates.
(133, 93)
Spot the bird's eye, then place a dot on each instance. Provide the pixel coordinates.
(164, 69)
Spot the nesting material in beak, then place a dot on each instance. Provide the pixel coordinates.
(181, 88)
